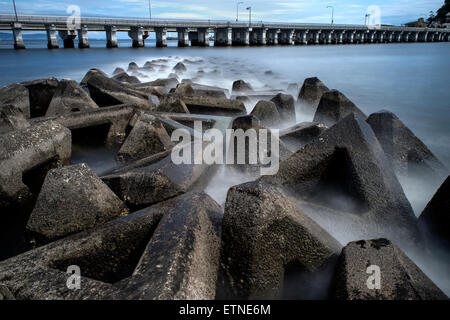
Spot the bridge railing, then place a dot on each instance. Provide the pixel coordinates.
(32, 20)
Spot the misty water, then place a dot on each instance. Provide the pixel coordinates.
(411, 80)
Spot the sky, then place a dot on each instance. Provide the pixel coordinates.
(395, 12)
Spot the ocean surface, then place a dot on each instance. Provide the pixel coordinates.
(411, 80)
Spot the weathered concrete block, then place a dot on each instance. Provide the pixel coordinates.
(333, 107)
(345, 169)
(167, 251)
(240, 86)
(406, 153)
(400, 278)
(172, 103)
(311, 93)
(108, 92)
(435, 219)
(286, 106)
(180, 68)
(267, 113)
(41, 94)
(297, 136)
(262, 233)
(17, 95)
(12, 118)
(214, 106)
(72, 199)
(125, 77)
(147, 138)
(69, 97)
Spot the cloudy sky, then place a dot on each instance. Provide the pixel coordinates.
(313, 11)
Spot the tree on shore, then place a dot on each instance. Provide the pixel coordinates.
(440, 15)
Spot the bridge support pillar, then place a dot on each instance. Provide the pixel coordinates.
(372, 36)
(137, 35)
(258, 36)
(161, 37)
(341, 37)
(382, 37)
(68, 37)
(18, 38)
(243, 37)
(317, 36)
(406, 36)
(351, 37)
(328, 37)
(183, 37)
(111, 37)
(83, 41)
(399, 36)
(415, 36)
(223, 37)
(285, 37)
(200, 38)
(272, 36)
(51, 37)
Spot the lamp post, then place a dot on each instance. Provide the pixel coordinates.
(237, 10)
(15, 10)
(150, 8)
(332, 13)
(249, 17)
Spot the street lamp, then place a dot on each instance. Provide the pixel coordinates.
(150, 8)
(15, 10)
(332, 13)
(249, 17)
(237, 10)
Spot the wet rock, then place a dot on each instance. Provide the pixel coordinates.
(345, 169)
(201, 87)
(267, 113)
(262, 233)
(286, 106)
(180, 67)
(400, 278)
(18, 96)
(125, 77)
(240, 86)
(154, 183)
(246, 122)
(435, 219)
(311, 93)
(333, 107)
(173, 75)
(147, 138)
(69, 97)
(210, 93)
(118, 71)
(168, 251)
(215, 106)
(166, 83)
(72, 199)
(297, 136)
(149, 66)
(107, 92)
(11, 118)
(41, 94)
(132, 66)
(405, 152)
(173, 104)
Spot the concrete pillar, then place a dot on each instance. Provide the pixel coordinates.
(137, 35)
(351, 36)
(68, 37)
(400, 36)
(243, 37)
(253, 37)
(272, 36)
(389, 36)
(111, 37)
(317, 36)
(161, 37)
(200, 37)
(382, 36)
(183, 37)
(262, 36)
(415, 36)
(285, 37)
(341, 37)
(83, 41)
(18, 38)
(329, 37)
(51, 37)
(223, 37)
(372, 36)
(406, 36)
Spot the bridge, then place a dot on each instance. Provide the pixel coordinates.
(226, 33)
